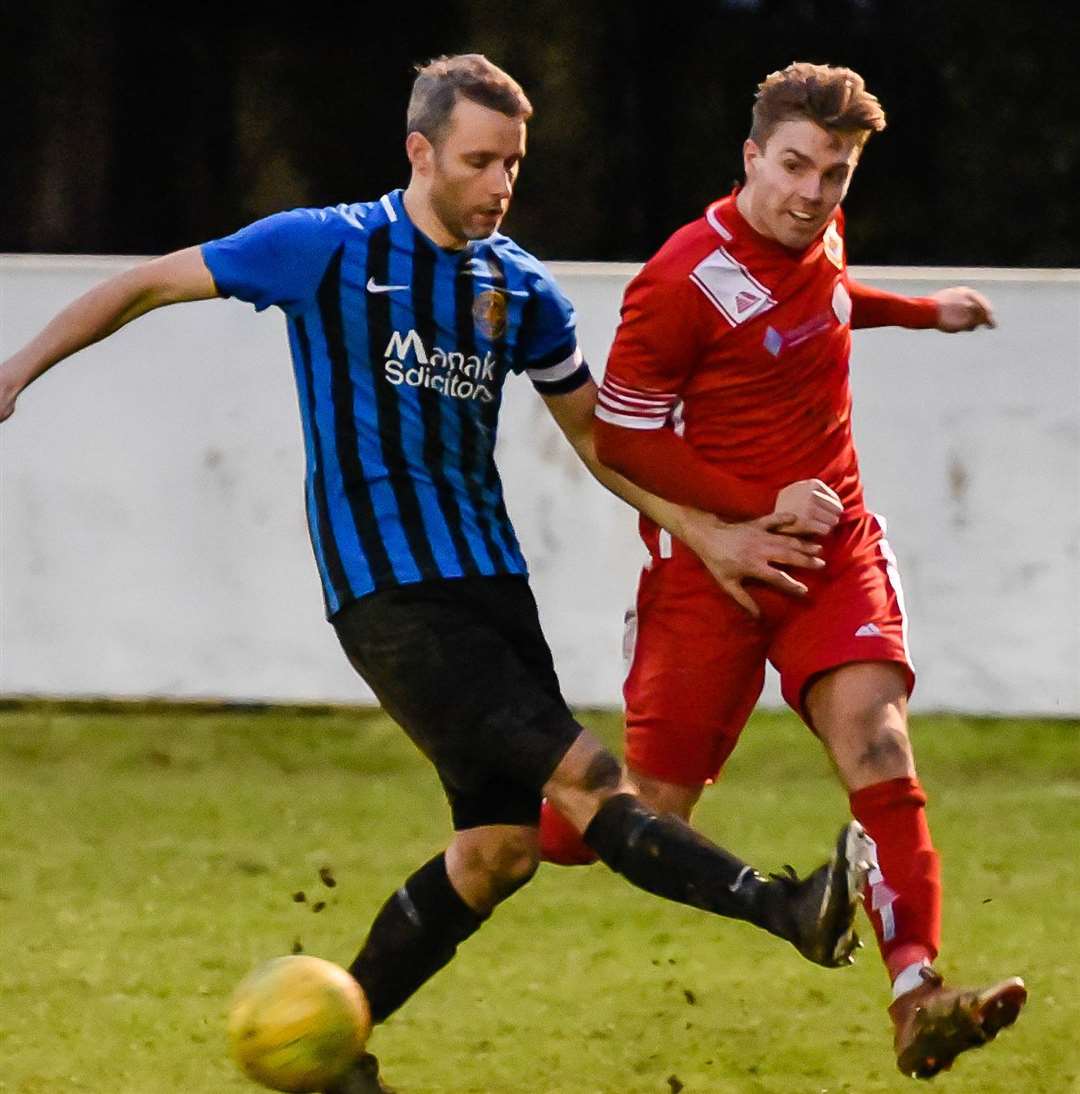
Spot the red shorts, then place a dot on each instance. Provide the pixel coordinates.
(697, 662)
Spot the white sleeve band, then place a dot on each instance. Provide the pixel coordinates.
(559, 371)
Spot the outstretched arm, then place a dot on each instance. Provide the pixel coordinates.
(106, 308)
(950, 310)
(733, 553)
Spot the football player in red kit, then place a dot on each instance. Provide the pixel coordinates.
(727, 389)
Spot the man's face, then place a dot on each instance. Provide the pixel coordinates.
(797, 180)
(473, 169)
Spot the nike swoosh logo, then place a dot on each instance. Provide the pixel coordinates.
(373, 286)
(736, 885)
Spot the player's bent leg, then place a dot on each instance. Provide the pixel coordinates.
(664, 856)
(490, 863)
(415, 934)
(860, 713)
(561, 843)
(418, 930)
(586, 776)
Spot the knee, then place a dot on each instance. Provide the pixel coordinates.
(504, 863)
(590, 771)
(587, 776)
(883, 749)
(515, 861)
(860, 714)
(665, 797)
(603, 774)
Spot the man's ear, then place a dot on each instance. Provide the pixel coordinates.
(750, 153)
(421, 153)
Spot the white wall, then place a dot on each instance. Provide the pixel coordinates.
(152, 539)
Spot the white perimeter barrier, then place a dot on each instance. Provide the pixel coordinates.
(152, 538)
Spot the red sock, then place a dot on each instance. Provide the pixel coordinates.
(560, 841)
(903, 899)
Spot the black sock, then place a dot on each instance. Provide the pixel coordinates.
(662, 855)
(416, 933)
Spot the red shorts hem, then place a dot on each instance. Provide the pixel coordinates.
(654, 765)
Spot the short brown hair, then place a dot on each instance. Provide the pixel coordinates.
(832, 97)
(471, 75)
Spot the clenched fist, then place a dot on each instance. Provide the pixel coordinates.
(962, 309)
(815, 506)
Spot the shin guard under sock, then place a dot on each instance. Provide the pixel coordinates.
(903, 899)
(664, 856)
(416, 933)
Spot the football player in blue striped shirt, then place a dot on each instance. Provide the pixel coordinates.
(405, 317)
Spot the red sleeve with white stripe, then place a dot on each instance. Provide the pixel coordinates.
(633, 408)
(656, 347)
(655, 350)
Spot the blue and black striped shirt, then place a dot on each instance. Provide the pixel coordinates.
(400, 350)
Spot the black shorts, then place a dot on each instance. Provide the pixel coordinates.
(464, 668)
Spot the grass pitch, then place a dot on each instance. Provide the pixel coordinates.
(148, 860)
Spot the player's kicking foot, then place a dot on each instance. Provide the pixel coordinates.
(363, 1078)
(934, 1024)
(817, 914)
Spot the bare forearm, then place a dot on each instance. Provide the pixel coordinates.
(666, 514)
(575, 415)
(93, 316)
(106, 308)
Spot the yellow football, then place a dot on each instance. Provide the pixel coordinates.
(297, 1023)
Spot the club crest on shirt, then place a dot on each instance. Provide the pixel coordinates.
(834, 246)
(731, 287)
(489, 313)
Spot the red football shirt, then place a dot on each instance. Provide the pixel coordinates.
(739, 346)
